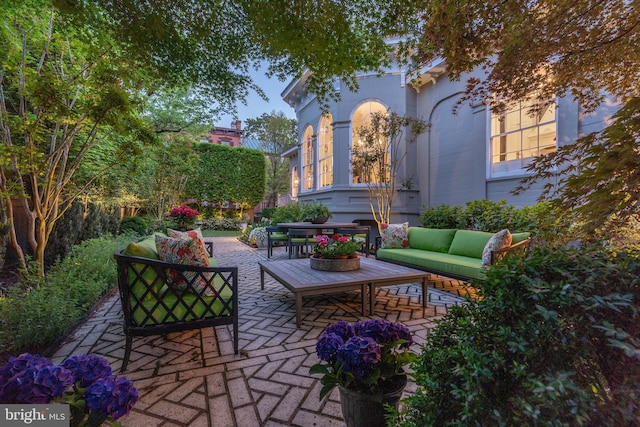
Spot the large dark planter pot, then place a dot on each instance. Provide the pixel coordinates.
(367, 410)
(320, 219)
(323, 264)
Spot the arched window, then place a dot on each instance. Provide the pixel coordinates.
(295, 183)
(307, 159)
(368, 161)
(325, 151)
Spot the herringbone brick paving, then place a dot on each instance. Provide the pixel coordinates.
(194, 379)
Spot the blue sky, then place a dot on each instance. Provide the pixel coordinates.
(256, 106)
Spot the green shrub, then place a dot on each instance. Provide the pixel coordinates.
(35, 316)
(541, 220)
(135, 224)
(222, 223)
(553, 340)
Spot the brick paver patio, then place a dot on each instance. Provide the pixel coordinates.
(194, 379)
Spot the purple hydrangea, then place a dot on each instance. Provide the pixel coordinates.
(359, 355)
(383, 331)
(111, 396)
(32, 379)
(341, 328)
(327, 347)
(87, 368)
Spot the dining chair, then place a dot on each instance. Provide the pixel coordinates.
(300, 238)
(359, 234)
(276, 235)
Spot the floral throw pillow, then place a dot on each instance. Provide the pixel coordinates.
(500, 240)
(183, 251)
(394, 236)
(190, 234)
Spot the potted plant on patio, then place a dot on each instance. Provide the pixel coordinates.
(183, 216)
(366, 362)
(335, 253)
(316, 213)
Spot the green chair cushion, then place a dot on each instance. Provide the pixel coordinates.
(279, 236)
(431, 239)
(519, 237)
(469, 243)
(184, 306)
(142, 249)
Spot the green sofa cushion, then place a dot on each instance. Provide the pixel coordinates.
(519, 237)
(438, 261)
(181, 306)
(431, 239)
(469, 243)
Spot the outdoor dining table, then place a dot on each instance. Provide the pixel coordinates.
(318, 227)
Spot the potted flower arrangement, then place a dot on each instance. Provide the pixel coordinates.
(335, 253)
(84, 382)
(183, 216)
(315, 212)
(366, 362)
(336, 246)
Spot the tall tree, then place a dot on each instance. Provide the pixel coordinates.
(586, 49)
(276, 134)
(56, 94)
(384, 142)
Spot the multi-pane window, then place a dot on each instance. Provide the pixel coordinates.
(325, 151)
(369, 159)
(307, 159)
(524, 130)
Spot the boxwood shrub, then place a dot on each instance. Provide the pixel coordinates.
(552, 340)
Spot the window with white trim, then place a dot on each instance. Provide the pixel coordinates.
(295, 183)
(307, 159)
(524, 130)
(325, 151)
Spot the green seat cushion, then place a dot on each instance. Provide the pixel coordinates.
(279, 236)
(469, 243)
(519, 237)
(431, 239)
(183, 306)
(436, 261)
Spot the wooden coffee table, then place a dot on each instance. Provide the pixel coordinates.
(297, 276)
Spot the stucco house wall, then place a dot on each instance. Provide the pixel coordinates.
(449, 163)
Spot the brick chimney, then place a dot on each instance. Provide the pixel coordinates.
(238, 125)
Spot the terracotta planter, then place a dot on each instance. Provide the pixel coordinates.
(323, 264)
(367, 410)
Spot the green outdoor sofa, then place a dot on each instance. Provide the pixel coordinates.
(153, 303)
(448, 252)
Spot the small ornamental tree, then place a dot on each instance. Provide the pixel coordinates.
(379, 156)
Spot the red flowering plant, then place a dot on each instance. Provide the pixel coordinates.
(85, 382)
(183, 216)
(334, 246)
(367, 357)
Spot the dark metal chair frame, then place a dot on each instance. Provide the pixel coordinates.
(131, 272)
(300, 233)
(270, 241)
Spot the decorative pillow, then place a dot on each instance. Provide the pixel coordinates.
(190, 234)
(183, 251)
(500, 240)
(394, 236)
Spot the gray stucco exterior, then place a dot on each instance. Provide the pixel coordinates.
(449, 163)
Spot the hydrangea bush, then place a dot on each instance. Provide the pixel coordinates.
(336, 245)
(85, 382)
(363, 357)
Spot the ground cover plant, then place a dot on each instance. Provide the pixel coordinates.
(37, 312)
(552, 340)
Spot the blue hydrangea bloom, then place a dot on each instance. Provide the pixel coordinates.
(32, 379)
(383, 331)
(87, 368)
(327, 346)
(341, 328)
(112, 396)
(359, 355)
